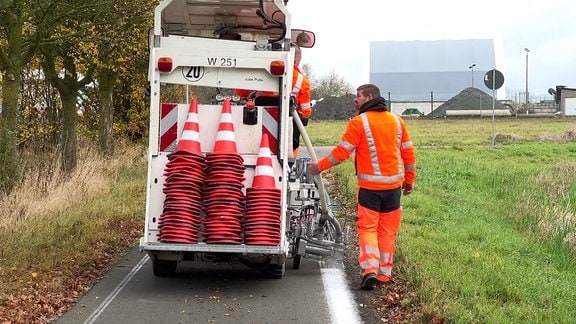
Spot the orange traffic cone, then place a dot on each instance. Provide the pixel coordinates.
(264, 173)
(190, 137)
(225, 138)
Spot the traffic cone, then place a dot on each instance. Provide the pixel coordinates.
(225, 138)
(264, 173)
(190, 137)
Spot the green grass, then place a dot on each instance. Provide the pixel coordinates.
(325, 132)
(488, 236)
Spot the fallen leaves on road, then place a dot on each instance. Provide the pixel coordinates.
(44, 295)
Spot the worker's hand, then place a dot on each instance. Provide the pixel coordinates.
(407, 189)
(313, 168)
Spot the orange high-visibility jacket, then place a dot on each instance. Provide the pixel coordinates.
(300, 90)
(385, 156)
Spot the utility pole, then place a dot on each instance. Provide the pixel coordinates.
(471, 67)
(527, 95)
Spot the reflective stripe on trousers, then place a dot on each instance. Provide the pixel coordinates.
(377, 241)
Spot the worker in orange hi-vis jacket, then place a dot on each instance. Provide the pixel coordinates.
(385, 168)
(301, 92)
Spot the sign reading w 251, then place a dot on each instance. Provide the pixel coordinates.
(222, 61)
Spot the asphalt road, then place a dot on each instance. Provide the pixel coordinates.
(321, 151)
(202, 292)
(211, 293)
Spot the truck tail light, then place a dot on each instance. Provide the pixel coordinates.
(165, 64)
(277, 68)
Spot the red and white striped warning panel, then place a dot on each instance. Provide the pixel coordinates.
(270, 121)
(168, 126)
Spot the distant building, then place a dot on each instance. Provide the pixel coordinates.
(434, 70)
(566, 98)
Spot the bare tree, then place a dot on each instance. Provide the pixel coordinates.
(331, 85)
(69, 64)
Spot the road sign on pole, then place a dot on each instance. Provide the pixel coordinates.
(494, 79)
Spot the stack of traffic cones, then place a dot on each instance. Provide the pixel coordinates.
(180, 221)
(224, 201)
(263, 202)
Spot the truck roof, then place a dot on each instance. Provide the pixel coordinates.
(212, 18)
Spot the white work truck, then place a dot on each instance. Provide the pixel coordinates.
(200, 52)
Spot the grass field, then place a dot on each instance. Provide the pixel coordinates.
(489, 235)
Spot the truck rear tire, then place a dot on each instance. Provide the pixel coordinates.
(164, 268)
(297, 256)
(296, 261)
(274, 271)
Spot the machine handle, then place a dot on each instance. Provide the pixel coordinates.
(320, 183)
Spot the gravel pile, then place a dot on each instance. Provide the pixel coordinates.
(469, 99)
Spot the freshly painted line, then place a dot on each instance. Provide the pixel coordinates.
(98, 311)
(340, 300)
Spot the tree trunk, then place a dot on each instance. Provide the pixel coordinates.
(106, 80)
(69, 139)
(8, 124)
(53, 114)
(10, 92)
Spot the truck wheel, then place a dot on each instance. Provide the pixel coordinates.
(164, 268)
(274, 271)
(297, 257)
(296, 261)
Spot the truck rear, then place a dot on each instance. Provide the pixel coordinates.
(221, 182)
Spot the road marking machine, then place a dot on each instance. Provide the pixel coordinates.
(222, 182)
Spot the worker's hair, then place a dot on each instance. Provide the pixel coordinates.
(302, 39)
(369, 90)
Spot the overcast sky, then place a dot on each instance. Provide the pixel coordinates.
(345, 28)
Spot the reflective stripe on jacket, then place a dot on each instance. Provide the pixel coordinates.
(301, 90)
(385, 156)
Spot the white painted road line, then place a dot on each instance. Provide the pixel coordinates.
(98, 311)
(340, 300)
